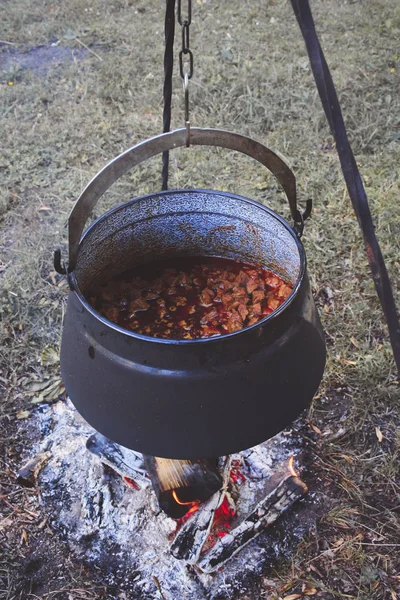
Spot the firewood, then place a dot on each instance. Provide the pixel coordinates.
(125, 462)
(289, 490)
(179, 484)
(28, 474)
(190, 539)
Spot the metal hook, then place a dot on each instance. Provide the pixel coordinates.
(301, 217)
(187, 120)
(58, 265)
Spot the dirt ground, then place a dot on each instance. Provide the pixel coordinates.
(80, 82)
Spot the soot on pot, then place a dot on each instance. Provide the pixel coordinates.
(190, 298)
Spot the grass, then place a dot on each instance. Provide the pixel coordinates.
(61, 124)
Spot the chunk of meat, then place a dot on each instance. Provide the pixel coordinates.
(209, 331)
(255, 309)
(180, 301)
(234, 322)
(239, 293)
(272, 280)
(227, 299)
(183, 279)
(258, 296)
(206, 297)
(243, 311)
(111, 313)
(138, 305)
(284, 290)
(150, 295)
(209, 316)
(273, 302)
(251, 285)
(225, 285)
(252, 321)
(242, 277)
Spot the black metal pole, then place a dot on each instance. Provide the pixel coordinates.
(168, 70)
(358, 197)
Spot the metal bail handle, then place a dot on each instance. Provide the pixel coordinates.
(168, 141)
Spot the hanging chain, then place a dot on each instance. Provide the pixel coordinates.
(186, 60)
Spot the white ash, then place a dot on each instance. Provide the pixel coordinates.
(123, 531)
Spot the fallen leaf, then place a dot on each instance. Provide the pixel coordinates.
(37, 399)
(316, 429)
(50, 356)
(23, 414)
(310, 592)
(379, 434)
(36, 386)
(24, 538)
(49, 390)
(292, 597)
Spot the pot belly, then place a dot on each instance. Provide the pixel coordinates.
(211, 407)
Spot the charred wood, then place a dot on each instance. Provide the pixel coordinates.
(190, 539)
(266, 512)
(180, 484)
(28, 474)
(125, 462)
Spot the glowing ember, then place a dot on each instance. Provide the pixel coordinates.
(291, 468)
(222, 522)
(236, 474)
(131, 483)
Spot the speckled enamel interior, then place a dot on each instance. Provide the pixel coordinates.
(186, 223)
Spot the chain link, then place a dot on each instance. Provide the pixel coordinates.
(189, 13)
(185, 54)
(186, 59)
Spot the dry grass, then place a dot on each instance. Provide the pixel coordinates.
(62, 123)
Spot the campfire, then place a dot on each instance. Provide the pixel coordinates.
(217, 505)
(167, 516)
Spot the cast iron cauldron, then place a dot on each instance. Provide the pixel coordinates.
(189, 398)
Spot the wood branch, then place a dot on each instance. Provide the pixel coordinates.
(190, 539)
(28, 474)
(179, 484)
(125, 462)
(266, 512)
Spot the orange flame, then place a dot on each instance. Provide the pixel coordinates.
(191, 503)
(291, 467)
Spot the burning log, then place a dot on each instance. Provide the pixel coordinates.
(182, 484)
(125, 462)
(290, 489)
(190, 539)
(28, 474)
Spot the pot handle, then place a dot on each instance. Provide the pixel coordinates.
(161, 143)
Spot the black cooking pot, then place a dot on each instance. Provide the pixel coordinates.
(190, 398)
